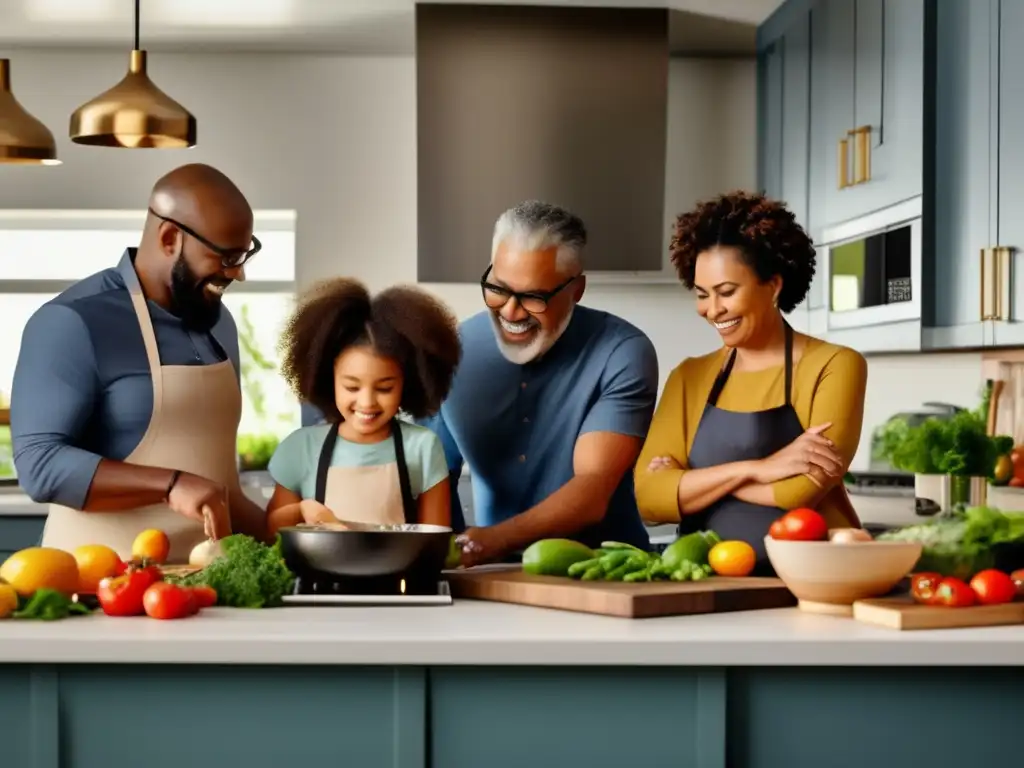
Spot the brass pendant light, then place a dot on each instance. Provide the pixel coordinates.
(23, 139)
(134, 114)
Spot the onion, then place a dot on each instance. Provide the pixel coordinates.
(204, 553)
(849, 535)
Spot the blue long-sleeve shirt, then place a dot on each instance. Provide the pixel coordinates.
(82, 386)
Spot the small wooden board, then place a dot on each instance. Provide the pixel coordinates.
(635, 601)
(180, 570)
(903, 613)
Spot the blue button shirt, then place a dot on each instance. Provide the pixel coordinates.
(82, 387)
(516, 425)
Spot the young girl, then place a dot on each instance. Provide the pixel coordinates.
(360, 360)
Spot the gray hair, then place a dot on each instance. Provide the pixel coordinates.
(535, 225)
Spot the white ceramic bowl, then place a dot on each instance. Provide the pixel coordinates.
(827, 577)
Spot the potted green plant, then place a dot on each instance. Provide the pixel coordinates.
(952, 459)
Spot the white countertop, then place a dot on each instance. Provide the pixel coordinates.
(484, 633)
(890, 510)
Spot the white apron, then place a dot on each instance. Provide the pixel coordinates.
(380, 494)
(193, 428)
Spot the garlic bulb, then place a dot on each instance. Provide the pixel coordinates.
(204, 553)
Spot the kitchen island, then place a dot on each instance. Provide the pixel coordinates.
(489, 685)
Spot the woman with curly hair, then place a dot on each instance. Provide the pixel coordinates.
(771, 420)
(360, 360)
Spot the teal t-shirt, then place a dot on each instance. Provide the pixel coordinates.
(294, 463)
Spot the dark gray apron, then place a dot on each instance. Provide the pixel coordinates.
(727, 436)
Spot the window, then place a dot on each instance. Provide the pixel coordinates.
(44, 252)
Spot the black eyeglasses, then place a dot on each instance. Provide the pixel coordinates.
(535, 302)
(231, 258)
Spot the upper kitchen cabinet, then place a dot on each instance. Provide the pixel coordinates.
(964, 188)
(784, 104)
(867, 106)
(1006, 260)
(841, 122)
(978, 188)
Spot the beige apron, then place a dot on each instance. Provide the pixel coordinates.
(380, 494)
(194, 428)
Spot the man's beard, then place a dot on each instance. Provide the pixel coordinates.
(198, 308)
(540, 344)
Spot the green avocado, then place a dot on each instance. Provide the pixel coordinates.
(552, 557)
(693, 547)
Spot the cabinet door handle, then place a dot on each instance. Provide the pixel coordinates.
(844, 164)
(1002, 256)
(862, 154)
(987, 295)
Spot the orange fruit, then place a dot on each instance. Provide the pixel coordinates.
(732, 558)
(95, 562)
(152, 545)
(41, 568)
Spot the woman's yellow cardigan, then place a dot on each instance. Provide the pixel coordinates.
(829, 383)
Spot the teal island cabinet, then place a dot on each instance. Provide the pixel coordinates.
(489, 685)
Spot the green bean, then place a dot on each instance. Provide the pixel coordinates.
(578, 569)
(613, 560)
(593, 573)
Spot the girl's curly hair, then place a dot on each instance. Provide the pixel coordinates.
(764, 231)
(404, 323)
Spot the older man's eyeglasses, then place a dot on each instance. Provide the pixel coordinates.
(534, 302)
(230, 258)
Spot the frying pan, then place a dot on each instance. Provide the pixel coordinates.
(413, 551)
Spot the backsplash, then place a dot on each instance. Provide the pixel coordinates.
(904, 382)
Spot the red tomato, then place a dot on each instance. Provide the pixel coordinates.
(122, 595)
(993, 587)
(800, 525)
(205, 597)
(923, 587)
(121, 567)
(169, 601)
(954, 593)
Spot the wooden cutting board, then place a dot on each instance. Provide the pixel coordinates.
(635, 601)
(903, 613)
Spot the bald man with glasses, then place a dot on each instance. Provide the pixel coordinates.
(126, 398)
(552, 400)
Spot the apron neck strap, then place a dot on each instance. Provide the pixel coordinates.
(408, 503)
(723, 375)
(409, 508)
(324, 463)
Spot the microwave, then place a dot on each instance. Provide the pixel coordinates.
(872, 268)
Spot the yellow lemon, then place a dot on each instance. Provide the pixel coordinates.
(732, 558)
(95, 562)
(8, 600)
(39, 568)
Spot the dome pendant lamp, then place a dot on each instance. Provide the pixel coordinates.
(134, 114)
(23, 139)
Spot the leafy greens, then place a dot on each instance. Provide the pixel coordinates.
(964, 543)
(248, 575)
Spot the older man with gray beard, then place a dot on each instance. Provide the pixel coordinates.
(552, 401)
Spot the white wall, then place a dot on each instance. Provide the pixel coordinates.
(335, 139)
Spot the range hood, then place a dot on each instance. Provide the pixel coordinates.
(566, 105)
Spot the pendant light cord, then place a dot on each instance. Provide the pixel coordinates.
(137, 24)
